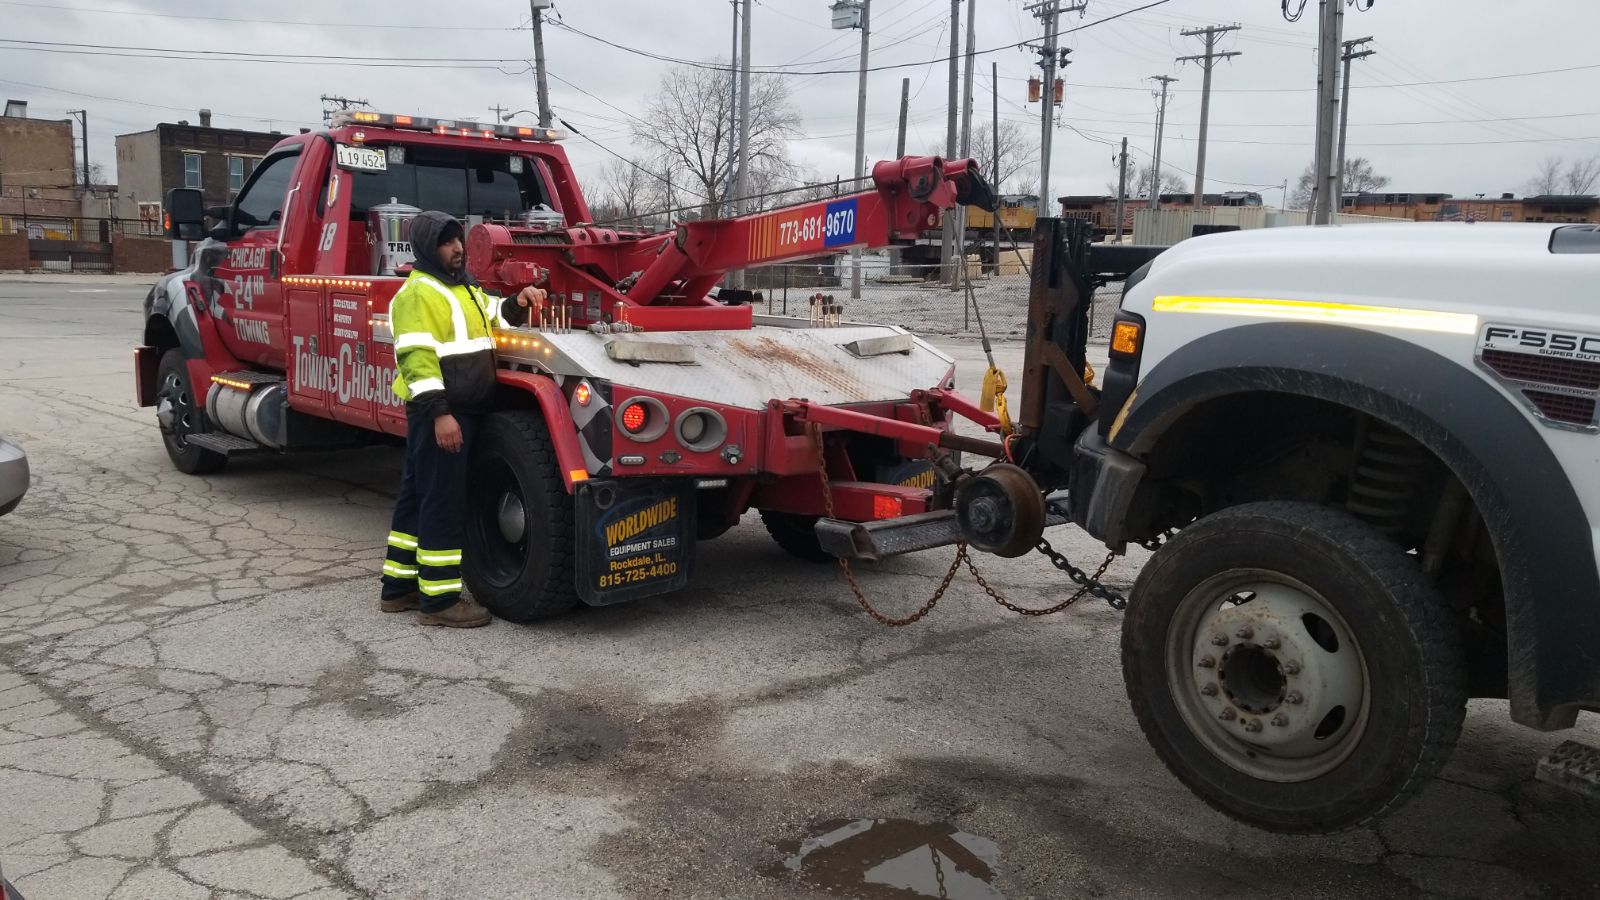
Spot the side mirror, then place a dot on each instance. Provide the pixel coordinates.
(186, 215)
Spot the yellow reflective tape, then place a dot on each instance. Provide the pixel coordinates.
(403, 541)
(1320, 311)
(435, 588)
(398, 571)
(448, 558)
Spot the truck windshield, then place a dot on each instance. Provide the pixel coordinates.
(459, 182)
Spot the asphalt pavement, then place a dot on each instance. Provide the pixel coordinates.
(200, 699)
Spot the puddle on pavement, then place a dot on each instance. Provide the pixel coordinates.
(893, 859)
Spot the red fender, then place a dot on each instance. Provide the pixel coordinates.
(563, 434)
(217, 358)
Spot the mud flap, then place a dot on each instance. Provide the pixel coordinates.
(636, 538)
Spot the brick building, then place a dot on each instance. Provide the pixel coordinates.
(1395, 205)
(218, 161)
(38, 171)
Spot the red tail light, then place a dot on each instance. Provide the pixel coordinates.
(886, 507)
(635, 418)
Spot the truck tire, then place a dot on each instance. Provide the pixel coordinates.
(519, 554)
(181, 412)
(796, 534)
(1292, 667)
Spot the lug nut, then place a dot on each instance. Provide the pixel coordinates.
(1209, 690)
(1220, 639)
(1228, 715)
(1294, 697)
(1252, 726)
(1271, 643)
(1245, 633)
(1280, 720)
(1208, 662)
(1291, 668)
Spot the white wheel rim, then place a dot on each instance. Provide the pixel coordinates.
(1268, 676)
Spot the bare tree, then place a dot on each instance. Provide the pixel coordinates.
(686, 124)
(1017, 152)
(1547, 178)
(1025, 183)
(1139, 183)
(1580, 175)
(629, 189)
(1359, 177)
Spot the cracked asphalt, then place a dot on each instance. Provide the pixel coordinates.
(200, 699)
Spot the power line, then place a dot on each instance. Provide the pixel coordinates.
(189, 17)
(783, 70)
(1358, 87)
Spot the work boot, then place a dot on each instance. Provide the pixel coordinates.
(466, 613)
(402, 603)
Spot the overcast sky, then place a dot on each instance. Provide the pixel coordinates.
(1468, 137)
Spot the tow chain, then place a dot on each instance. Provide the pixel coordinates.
(1088, 584)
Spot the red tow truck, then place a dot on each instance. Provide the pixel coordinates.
(637, 413)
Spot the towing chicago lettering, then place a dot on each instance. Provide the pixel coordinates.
(342, 376)
(643, 520)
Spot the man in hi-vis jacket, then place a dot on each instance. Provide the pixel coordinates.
(444, 351)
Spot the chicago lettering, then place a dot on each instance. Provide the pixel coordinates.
(342, 376)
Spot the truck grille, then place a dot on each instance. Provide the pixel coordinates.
(1562, 407)
(1574, 373)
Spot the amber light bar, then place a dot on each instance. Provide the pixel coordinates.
(360, 284)
(448, 126)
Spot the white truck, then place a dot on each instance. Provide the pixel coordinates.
(1368, 460)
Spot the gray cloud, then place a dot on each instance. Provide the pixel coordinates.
(1261, 111)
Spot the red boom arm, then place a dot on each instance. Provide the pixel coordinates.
(909, 191)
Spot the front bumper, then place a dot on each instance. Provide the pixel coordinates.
(1104, 481)
(14, 476)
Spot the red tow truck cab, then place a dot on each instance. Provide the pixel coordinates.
(637, 411)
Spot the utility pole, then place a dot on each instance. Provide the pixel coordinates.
(1122, 186)
(1050, 58)
(741, 183)
(498, 111)
(1161, 124)
(947, 248)
(1330, 30)
(1206, 61)
(733, 114)
(1350, 53)
(994, 151)
(344, 104)
(861, 137)
(83, 120)
(905, 106)
(537, 7)
(960, 212)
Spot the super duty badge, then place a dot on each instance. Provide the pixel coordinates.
(1541, 341)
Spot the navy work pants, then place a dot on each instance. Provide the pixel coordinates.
(430, 516)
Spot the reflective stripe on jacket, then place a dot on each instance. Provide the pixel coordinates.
(444, 344)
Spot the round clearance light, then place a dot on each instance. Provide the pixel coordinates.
(583, 395)
(700, 429)
(642, 419)
(634, 418)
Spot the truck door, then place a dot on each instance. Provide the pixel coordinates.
(253, 323)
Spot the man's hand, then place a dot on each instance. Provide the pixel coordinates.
(530, 296)
(447, 433)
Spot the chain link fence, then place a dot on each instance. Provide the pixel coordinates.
(914, 297)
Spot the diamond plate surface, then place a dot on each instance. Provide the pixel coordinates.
(747, 368)
(1573, 766)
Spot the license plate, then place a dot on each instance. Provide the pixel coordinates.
(364, 158)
